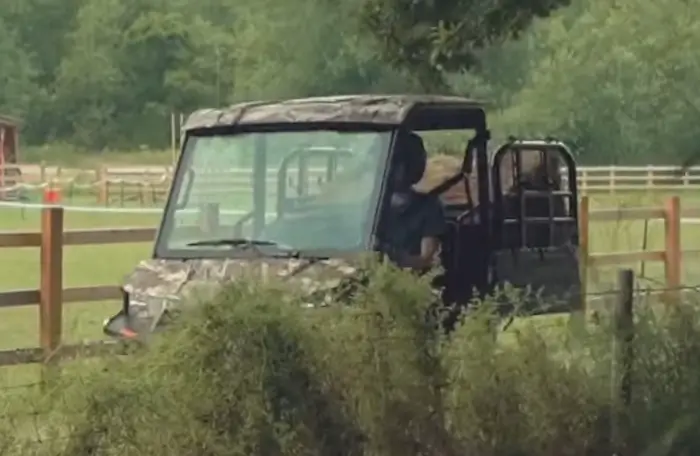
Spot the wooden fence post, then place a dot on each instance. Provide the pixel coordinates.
(103, 195)
(209, 218)
(623, 357)
(612, 180)
(98, 185)
(584, 248)
(672, 257)
(302, 177)
(51, 289)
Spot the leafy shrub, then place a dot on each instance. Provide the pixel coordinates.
(254, 372)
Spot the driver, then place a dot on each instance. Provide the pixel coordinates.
(414, 221)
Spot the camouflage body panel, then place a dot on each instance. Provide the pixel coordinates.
(374, 109)
(157, 287)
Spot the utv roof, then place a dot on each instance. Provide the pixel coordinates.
(419, 112)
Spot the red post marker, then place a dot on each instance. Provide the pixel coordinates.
(52, 196)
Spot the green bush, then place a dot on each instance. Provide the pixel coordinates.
(254, 372)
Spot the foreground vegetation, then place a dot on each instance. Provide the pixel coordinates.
(253, 373)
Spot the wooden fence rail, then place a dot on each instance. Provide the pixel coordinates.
(672, 255)
(51, 296)
(52, 238)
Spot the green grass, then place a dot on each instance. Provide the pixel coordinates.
(626, 236)
(83, 266)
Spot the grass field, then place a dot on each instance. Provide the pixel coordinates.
(83, 266)
(630, 236)
(102, 265)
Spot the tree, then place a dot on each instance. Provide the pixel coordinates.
(41, 27)
(131, 63)
(311, 47)
(618, 82)
(17, 88)
(431, 37)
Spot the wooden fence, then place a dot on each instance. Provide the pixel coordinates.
(149, 184)
(51, 296)
(671, 256)
(51, 239)
(613, 179)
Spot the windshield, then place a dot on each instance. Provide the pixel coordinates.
(282, 191)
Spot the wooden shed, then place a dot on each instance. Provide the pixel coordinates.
(9, 149)
(9, 140)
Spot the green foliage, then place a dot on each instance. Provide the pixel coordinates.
(106, 74)
(123, 67)
(16, 73)
(430, 37)
(152, 61)
(615, 81)
(253, 372)
(329, 57)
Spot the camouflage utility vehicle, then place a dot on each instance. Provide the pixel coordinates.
(299, 189)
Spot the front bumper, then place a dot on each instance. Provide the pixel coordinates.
(139, 317)
(120, 326)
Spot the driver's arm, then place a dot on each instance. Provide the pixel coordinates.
(429, 249)
(433, 228)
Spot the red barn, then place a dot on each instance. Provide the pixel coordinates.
(9, 146)
(9, 139)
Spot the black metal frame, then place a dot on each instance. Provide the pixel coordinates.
(546, 148)
(302, 154)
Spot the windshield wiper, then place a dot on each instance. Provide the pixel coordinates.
(233, 242)
(255, 244)
(283, 251)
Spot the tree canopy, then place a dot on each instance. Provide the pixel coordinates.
(614, 78)
(432, 37)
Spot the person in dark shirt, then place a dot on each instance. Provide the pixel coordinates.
(415, 221)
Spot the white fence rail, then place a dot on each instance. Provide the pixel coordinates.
(614, 179)
(591, 179)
